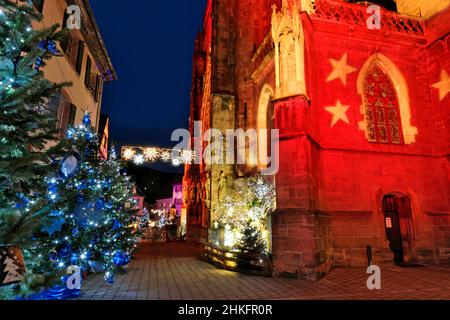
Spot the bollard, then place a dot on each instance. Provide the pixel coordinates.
(369, 255)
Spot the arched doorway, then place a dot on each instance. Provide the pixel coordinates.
(399, 227)
(265, 124)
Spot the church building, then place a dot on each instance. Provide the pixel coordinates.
(359, 92)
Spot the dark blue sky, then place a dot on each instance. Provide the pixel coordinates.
(151, 45)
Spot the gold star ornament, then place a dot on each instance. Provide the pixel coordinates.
(340, 69)
(339, 113)
(443, 85)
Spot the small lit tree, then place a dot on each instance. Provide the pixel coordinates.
(251, 245)
(244, 214)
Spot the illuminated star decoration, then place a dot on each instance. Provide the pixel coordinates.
(139, 155)
(340, 70)
(443, 85)
(138, 159)
(165, 156)
(176, 162)
(187, 156)
(151, 154)
(339, 112)
(128, 154)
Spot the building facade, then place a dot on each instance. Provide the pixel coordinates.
(85, 63)
(175, 202)
(363, 112)
(164, 205)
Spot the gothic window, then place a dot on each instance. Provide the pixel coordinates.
(382, 110)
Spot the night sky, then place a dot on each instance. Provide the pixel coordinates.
(151, 44)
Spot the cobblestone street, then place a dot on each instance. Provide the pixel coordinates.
(172, 272)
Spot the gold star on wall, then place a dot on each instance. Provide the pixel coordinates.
(443, 85)
(340, 70)
(339, 112)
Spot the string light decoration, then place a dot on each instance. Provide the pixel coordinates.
(142, 154)
(128, 154)
(243, 220)
(151, 154)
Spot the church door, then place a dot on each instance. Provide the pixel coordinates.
(398, 224)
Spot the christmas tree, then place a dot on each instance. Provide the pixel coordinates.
(26, 126)
(251, 246)
(244, 213)
(92, 212)
(145, 218)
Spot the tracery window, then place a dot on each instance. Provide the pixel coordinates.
(382, 110)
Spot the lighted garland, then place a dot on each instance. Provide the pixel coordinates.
(140, 155)
(248, 204)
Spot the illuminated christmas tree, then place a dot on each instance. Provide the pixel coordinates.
(244, 215)
(25, 125)
(145, 218)
(93, 211)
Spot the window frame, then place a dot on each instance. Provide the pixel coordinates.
(372, 111)
(80, 57)
(88, 72)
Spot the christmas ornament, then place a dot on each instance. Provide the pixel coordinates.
(110, 279)
(121, 258)
(12, 265)
(87, 119)
(70, 164)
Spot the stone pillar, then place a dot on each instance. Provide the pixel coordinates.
(223, 118)
(301, 233)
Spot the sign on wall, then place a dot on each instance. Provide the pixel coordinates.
(12, 265)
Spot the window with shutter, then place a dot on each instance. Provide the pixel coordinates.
(66, 116)
(93, 82)
(66, 44)
(97, 88)
(80, 55)
(39, 4)
(87, 76)
(72, 115)
(63, 116)
(72, 50)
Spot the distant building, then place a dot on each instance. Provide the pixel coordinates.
(177, 198)
(85, 63)
(175, 202)
(164, 204)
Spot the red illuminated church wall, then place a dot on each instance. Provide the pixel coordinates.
(354, 173)
(332, 180)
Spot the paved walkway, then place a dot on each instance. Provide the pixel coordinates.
(172, 272)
